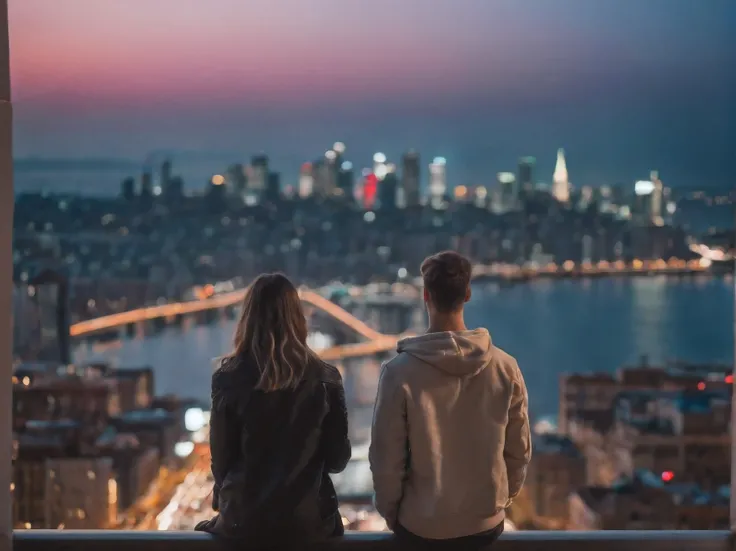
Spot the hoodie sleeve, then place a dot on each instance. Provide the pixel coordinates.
(518, 448)
(388, 448)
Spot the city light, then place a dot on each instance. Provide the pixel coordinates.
(194, 419)
(506, 177)
(643, 187)
(346, 165)
(183, 449)
(440, 161)
(218, 180)
(667, 476)
(379, 158)
(339, 148)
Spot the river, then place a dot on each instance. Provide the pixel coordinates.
(551, 326)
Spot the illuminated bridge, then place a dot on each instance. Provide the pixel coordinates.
(372, 341)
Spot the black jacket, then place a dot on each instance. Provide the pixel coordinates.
(272, 452)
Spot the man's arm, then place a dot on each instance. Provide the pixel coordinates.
(517, 451)
(389, 443)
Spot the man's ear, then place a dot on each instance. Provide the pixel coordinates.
(426, 295)
(468, 294)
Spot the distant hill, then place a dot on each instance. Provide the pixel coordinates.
(37, 164)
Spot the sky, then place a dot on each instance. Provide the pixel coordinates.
(625, 86)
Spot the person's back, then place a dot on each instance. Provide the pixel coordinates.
(450, 440)
(278, 426)
(272, 451)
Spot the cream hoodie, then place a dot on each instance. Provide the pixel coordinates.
(450, 440)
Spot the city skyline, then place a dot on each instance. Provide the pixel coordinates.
(479, 83)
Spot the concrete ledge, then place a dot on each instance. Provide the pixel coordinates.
(104, 540)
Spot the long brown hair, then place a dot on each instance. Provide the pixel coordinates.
(272, 331)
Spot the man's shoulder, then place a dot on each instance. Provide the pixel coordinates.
(504, 359)
(399, 367)
(506, 364)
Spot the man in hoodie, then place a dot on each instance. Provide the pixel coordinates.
(450, 440)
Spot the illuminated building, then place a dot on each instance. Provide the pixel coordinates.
(410, 174)
(560, 182)
(236, 179)
(321, 174)
(437, 179)
(379, 165)
(346, 180)
(331, 166)
(509, 193)
(657, 201)
(480, 196)
(306, 181)
(526, 174)
(370, 188)
(643, 192)
(258, 177)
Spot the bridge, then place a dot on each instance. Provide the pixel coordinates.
(374, 341)
(673, 266)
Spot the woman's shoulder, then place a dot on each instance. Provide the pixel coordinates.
(327, 373)
(230, 379)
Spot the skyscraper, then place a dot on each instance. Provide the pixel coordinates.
(526, 174)
(127, 189)
(388, 187)
(146, 184)
(657, 198)
(346, 181)
(236, 179)
(258, 177)
(165, 176)
(332, 158)
(509, 193)
(437, 178)
(410, 173)
(306, 181)
(321, 173)
(273, 188)
(560, 182)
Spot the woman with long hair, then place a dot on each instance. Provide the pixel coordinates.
(278, 426)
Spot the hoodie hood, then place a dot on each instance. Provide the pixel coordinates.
(458, 353)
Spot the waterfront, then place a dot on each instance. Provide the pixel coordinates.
(552, 327)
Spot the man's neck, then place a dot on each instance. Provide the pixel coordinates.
(448, 322)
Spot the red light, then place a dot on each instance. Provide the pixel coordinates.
(701, 385)
(729, 379)
(370, 188)
(667, 476)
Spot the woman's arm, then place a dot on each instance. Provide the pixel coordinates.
(223, 447)
(335, 429)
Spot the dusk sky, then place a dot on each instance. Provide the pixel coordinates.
(625, 86)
